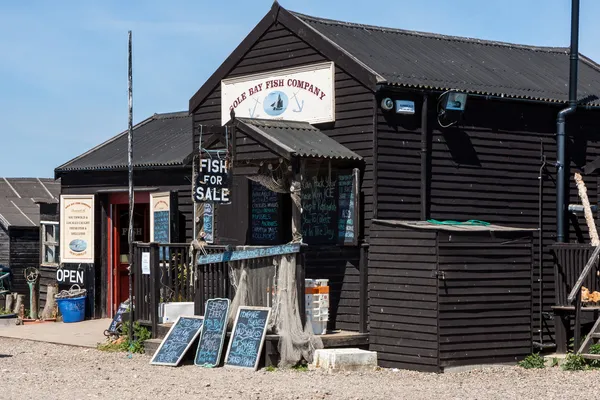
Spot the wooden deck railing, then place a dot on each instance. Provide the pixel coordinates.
(575, 266)
(165, 273)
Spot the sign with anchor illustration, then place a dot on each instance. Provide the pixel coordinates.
(295, 94)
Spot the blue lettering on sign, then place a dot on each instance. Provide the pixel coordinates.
(264, 216)
(208, 225)
(161, 230)
(249, 253)
(213, 333)
(177, 341)
(247, 337)
(346, 201)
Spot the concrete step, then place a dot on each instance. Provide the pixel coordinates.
(151, 345)
(596, 335)
(345, 360)
(162, 330)
(8, 320)
(591, 356)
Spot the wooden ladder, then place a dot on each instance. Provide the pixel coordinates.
(592, 338)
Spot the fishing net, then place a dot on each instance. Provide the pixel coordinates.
(271, 282)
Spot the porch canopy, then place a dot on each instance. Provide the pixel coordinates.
(267, 139)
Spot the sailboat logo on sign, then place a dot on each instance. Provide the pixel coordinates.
(276, 103)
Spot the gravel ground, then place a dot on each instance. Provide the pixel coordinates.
(32, 370)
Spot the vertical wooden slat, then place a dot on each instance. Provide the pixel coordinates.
(363, 280)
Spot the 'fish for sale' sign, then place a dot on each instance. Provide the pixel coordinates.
(212, 182)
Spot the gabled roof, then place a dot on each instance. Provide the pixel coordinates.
(161, 140)
(294, 139)
(376, 55)
(433, 61)
(19, 198)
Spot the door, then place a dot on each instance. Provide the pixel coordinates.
(141, 233)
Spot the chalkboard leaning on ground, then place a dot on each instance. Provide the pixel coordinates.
(213, 333)
(177, 342)
(247, 337)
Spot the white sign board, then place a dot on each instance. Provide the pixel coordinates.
(304, 94)
(77, 228)
(146, 263)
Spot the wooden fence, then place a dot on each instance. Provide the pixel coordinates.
(165, 273)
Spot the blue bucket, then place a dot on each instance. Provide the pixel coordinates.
(72, 310)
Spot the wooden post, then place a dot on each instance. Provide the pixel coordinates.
(48, 311)
(154, 286)
(363, 281)
(300, 282)
(577, 335)
(18, 303)
(10, 302)
(587, 210)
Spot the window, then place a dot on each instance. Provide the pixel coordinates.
(50, 236)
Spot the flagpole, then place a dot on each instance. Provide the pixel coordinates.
(131, 199)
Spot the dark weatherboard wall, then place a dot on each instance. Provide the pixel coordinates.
(4, 246)
(486, 168)
(353, 127)
(354, 104)
(441, 298)
(101, 183)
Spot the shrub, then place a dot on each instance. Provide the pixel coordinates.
(533, 361)
(574, 362)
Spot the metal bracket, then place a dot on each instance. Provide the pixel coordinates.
(548, 315)
(441, 275)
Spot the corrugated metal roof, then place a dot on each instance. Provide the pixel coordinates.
(19, 198)
(432, 61)
(298, 138)
(161, 140)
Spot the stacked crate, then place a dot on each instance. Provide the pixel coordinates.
(316, 298)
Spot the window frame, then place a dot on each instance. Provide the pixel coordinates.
(46, 243)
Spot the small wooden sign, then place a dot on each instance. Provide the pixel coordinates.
(177, 342)
(118, 318)
(213, 333)
(247, 337)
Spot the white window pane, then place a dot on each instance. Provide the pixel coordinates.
(50, 254)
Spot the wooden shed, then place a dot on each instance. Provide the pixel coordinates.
(449, 295)
(21, 224)
(163, 147)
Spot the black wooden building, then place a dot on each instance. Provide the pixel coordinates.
(162, 155)
(495, 163)
(23, 224)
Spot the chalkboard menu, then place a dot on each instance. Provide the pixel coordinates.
(265, 215)
(161, 230)
(347, 185)
(247, 337)
(161, 226)
(209, 223)
(118, 318)
(319, 209)
(213, 333)
(179, 339)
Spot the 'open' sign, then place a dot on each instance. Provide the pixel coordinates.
(71, 277)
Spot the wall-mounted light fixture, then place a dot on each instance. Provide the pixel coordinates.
(451, 106)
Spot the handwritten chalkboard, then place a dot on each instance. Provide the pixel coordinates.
(209, 223)
(161, 230)
(247, 337)
(265, 215)
(348, 204)
(179, 339)
(118, 318)
(213, 333)
(319, 210)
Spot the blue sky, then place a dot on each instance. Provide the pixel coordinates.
(63, 64)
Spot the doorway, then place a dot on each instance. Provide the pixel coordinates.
(120, 256)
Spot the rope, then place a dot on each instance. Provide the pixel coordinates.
(450, 222)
